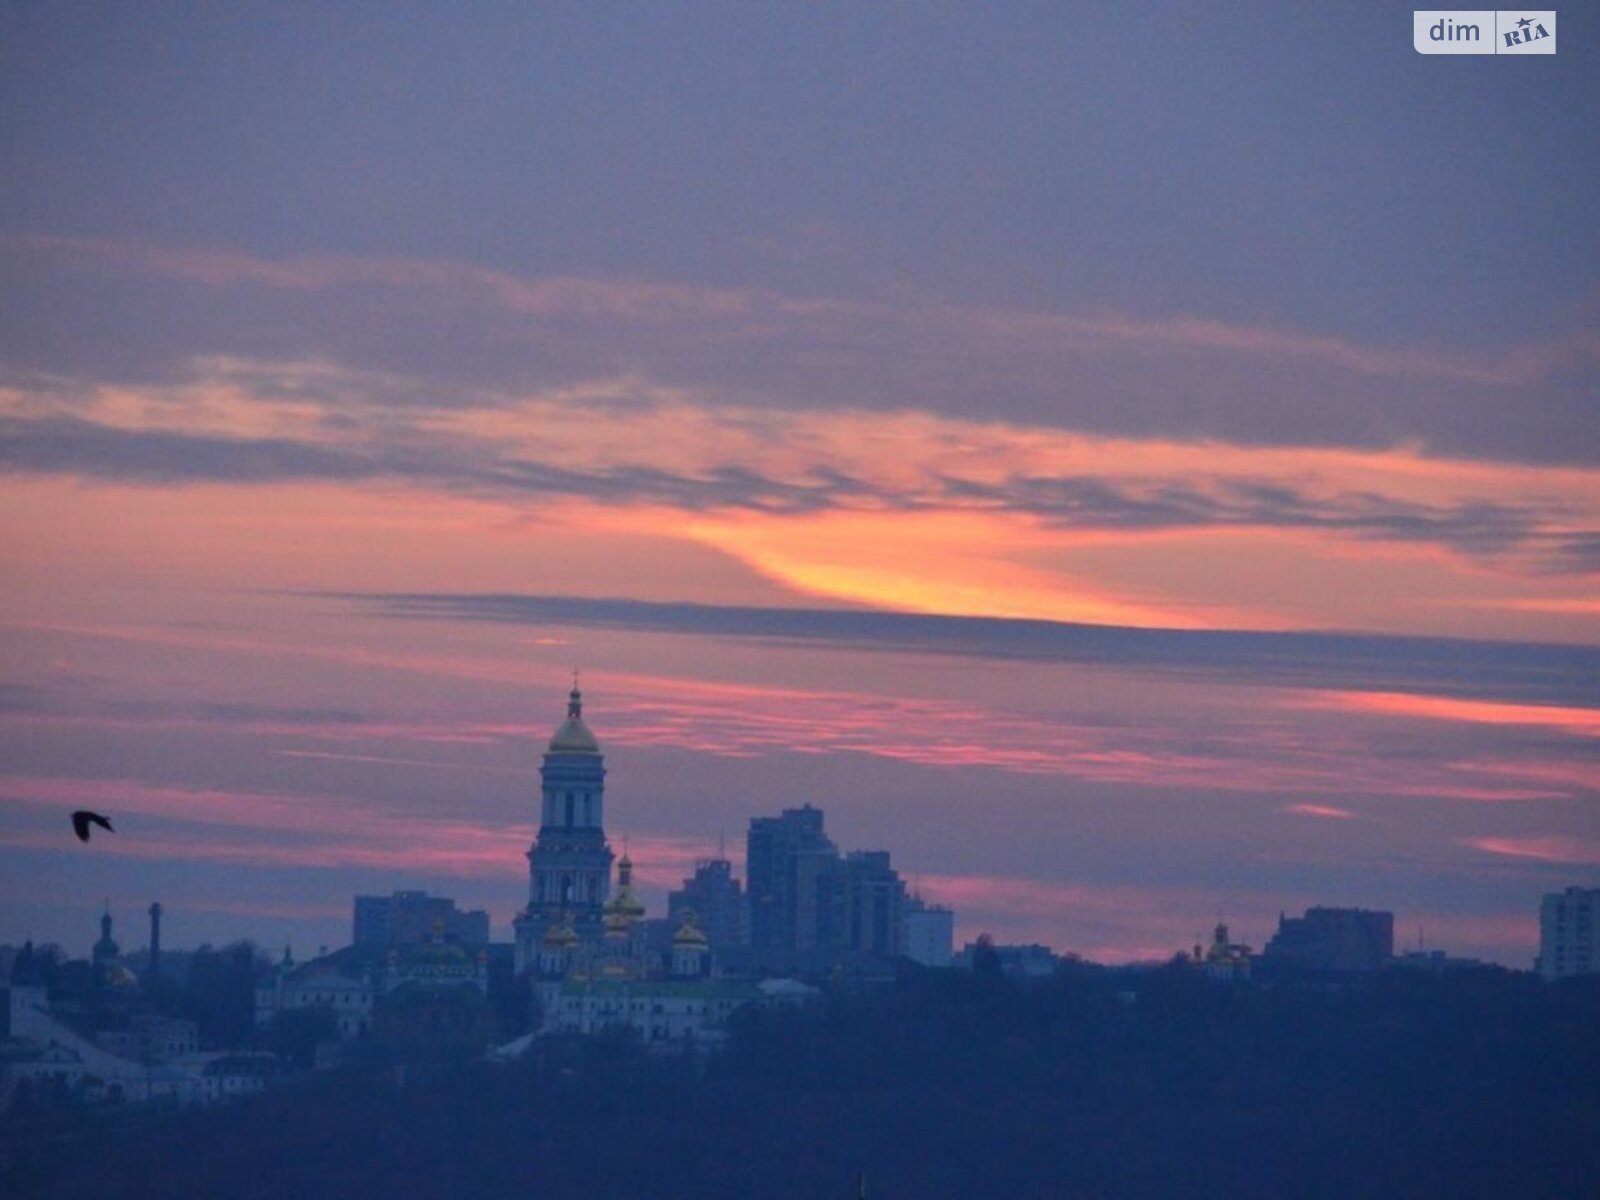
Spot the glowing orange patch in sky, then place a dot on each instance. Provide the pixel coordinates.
(859, 509)
(944, 562)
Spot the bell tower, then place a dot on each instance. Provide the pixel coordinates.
(569, 863)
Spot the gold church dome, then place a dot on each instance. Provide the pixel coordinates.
(121, 979)
(616, 917)
(573, 736)
(561, 933)
(688, 933)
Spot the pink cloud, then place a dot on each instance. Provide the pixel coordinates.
(1584, 722)
(1327, 811)
(1556, 848)
(1256, 752)
(1237, 753)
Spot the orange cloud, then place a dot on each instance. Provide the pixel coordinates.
(944, 562)
(622, 477)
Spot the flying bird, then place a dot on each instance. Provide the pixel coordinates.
(83, 818)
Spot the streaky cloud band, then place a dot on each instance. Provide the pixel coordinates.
(1531, 672)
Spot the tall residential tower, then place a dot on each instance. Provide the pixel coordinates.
(1569, 933)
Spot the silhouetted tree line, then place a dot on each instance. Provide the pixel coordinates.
(1094, 1083)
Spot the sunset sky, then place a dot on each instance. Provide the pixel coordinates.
(1138, 464)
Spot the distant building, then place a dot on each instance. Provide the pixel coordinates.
(45, 1053)
(1223, 961)
(718, 902)
(673, 1000)
(1435, 962)
(663, 1013)
(1028, 961)
(1333, 939)
(30, 964)
(790, 863)
(150, 1037)
(871, 904)
(1569, 933)
(106, 952)
(153, 972)
(813, 909)
(344, 989)
(366, 992)
(930, 933)
(409, 919)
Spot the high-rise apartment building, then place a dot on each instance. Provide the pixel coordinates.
(1569, 932)
(790, 863)
(805, 897)
(871, 904)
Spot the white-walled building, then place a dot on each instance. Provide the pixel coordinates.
(347, 993)
(930, 934)
(352, 988)
(47, 1053)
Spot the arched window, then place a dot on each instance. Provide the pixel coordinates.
(569, 808)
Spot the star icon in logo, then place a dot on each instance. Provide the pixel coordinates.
(1525, 22)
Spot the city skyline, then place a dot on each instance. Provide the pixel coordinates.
(738, 862)
(1135, 476)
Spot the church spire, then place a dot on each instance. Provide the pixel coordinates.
(106, 949)
(574, 699)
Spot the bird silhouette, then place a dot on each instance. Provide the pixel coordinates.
(83, 818)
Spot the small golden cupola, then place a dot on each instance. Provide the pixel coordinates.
(626, 901)
(561, 934)
(689, 932)
(691, 951)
